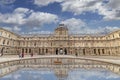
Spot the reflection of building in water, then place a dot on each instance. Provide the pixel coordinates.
(60, 65)
(61, 74)
(60, 42)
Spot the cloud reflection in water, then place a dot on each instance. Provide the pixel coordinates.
(78, 74)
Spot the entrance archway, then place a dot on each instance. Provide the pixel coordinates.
(61, 51)
(22, 50)
(65, 51)
(56, 51)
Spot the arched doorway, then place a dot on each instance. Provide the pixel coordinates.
(61, 51)
(65, 51)
(56, 51)
(22, 50)
(29, 51)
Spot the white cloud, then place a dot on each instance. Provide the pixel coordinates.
(77, 26)
(7, 28)
(110, 10)
(114, 4)
(90, 74)
(79, 6)
(111, 28)
(4, 2)
(74, 24)
(45, 2)
(40, 18)
(15, 28)
(16, 76)
(17, 17)
(24, 16)
(22, 10)
(101, 30)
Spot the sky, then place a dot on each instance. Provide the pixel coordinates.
(43, 16)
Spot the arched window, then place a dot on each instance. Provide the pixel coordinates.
(65, 51)
(99, 51)
(94, 51)
(29, 50)
(83, 51)
(2, 50)
(26, 51)
(103, 51)
(8, 43)
(56, 51)
(43, 51)
(3, 41)
(46, 50)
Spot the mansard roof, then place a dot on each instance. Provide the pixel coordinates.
(61, 27)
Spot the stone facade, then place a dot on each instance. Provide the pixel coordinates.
(60, 43)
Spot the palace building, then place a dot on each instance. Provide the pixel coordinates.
(60, 43)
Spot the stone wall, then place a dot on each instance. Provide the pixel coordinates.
(61, 40)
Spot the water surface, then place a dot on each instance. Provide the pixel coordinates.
(77, 74)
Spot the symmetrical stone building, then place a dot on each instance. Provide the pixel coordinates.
(60, 43)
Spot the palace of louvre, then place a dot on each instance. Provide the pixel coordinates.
(60, 42)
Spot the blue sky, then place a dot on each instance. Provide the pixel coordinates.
(43, 16)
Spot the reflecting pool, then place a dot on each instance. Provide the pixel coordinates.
(77, 74)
